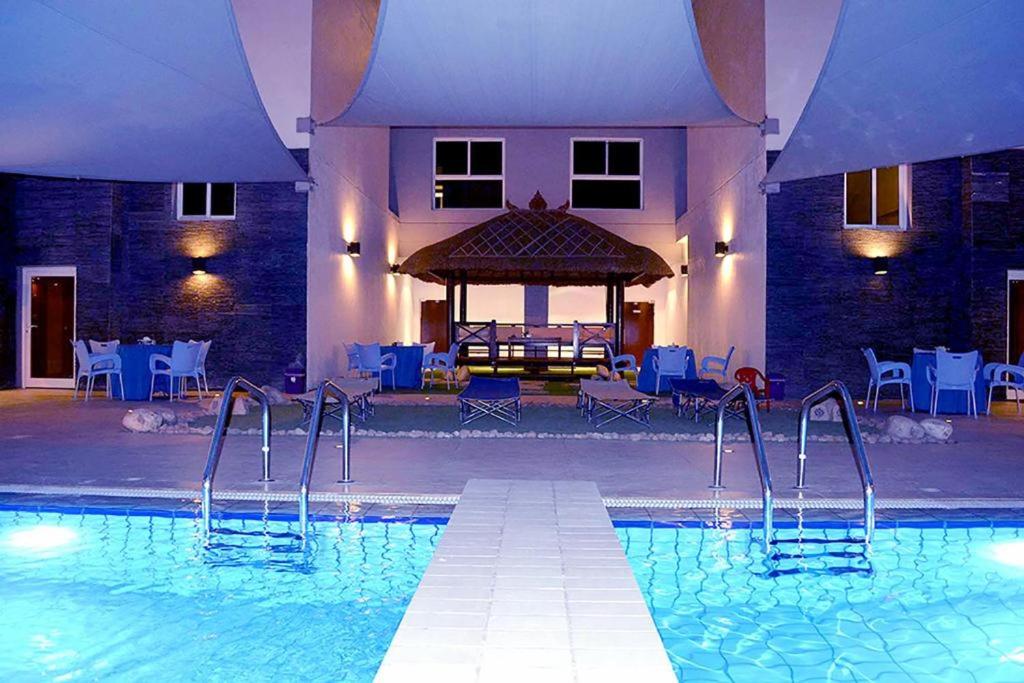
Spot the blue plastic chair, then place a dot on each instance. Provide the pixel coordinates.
(1007, 376)
(669, 361)
(373, 364)
(712, 366)
(884, 373)
(444, 363)
(178, 367)
(93, 365)
(954, 372)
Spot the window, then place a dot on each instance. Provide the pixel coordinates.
(877, 198)
(469, 173)
(203, 201)
(607, 174)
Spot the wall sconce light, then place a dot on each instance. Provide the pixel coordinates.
(721, 249)
(199, 265)
(354, 249)
(393, 269)
(684, 270)
(880, 264)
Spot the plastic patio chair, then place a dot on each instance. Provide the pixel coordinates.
(204, 350)
(669, 361)
(93, 365)
(751, 377)
(445, 363)
(954, 372)
(1007, 376)
(887, 372)
(352, 358)
(178, 367)
(373, 364)
(711, 366)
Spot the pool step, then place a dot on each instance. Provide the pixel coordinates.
(528, 583)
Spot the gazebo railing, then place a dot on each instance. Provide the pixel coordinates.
(573, 341)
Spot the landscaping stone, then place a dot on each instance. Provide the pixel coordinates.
(937, 429)
(826, 411)
(902, 428)
(275, 396)
(241, 406)
(142, 420)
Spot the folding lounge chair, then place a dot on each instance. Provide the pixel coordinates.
(604, 402)
(483, 396)
(359, 392)
(699, 396)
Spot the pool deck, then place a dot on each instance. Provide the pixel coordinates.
(528, 583)
(46, 440)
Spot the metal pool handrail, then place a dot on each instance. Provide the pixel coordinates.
(838, 390)
(327, 387)
(219, 431)
(743, 392)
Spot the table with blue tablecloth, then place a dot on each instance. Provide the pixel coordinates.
(409, 366)
(646, 378)
(135, 370)
(950, 402)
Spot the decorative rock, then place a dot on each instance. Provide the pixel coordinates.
(275, 396)
(603, 372)
(826, 411)
(167, 416)
(241, 406)
(902, 428)
(141, 420)
(937, 429)
(462, 374)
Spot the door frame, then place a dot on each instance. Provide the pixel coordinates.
(1011, 276)
(24, 322)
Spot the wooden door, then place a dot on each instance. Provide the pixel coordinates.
(434, 324)
(637, 327)
(48, 320)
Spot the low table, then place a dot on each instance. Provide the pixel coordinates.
(613, 400)
(135, 370)
(359, 392)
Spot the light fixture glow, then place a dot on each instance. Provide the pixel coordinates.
(198, 265)
(40, 538)
(354, 249)
(721, 249)
(1010, 553)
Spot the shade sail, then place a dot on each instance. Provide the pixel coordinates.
(145, 90)
(912, 81)
(526, 63)
(537, 246)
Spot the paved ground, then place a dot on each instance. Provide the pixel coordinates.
(45, 438)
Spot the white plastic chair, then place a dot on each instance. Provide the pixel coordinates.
(886, 372)
(444, 363)
(204, 350)
(178, 367)
(373, 364)
(669, 361)
(352, 357)
(104, 346)
(1007, 376)
(711, 366)
(622, 363)
(954, 372)
(93, 365)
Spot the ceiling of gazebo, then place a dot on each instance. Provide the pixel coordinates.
(537, 246)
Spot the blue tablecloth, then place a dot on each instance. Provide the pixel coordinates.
(409, 369)
(135, 370)
(646, 379)
(950, 402)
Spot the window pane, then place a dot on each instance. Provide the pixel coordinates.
(888, 195)
(193, 199)
(222, 199)
(588, 157)
(467, 194)
(606, 194)
(858, 198)
(451, 158)
(623, 158)
(485, 158)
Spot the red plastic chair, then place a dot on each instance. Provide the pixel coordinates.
(750, 377)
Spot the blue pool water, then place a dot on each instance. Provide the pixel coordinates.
(140, 598)
(926, 604)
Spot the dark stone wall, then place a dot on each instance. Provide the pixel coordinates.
(946, 283)
(134, 267)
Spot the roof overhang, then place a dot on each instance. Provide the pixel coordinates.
(146, 90)
(519, 63)
(912, 81)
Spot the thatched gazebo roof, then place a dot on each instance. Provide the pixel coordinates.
(537, 246)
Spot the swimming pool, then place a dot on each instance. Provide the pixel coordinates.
(91, 596)
(926, 604)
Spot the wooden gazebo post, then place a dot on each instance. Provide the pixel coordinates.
(620, 313)
(449, 298)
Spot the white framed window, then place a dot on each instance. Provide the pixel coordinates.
(606, 173)
(877, 198)
(206, 201)
(469, 173)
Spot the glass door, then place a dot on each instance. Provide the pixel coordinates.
(48, 327)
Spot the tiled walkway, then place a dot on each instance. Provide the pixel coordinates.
(528, 583)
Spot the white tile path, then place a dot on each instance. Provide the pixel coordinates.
(529, 583)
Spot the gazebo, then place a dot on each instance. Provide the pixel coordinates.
(537, 246)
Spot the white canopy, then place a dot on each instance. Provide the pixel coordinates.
(145, 90)
(526, 63)
(912, 81)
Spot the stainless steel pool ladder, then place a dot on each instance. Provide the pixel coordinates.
(326, 388)
(220, 430)
(837, 390)
(742, 392)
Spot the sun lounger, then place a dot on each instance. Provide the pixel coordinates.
(483, 396)
(699, 396)
(359, 392)
(603, 402)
